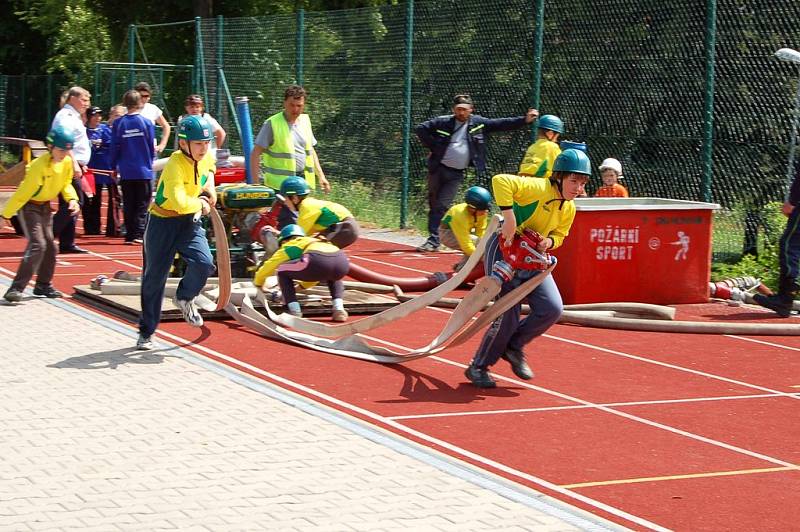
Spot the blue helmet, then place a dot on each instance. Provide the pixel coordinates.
(478, 197)
(567, 144)
(294, 186)
(194, 127)
(290, 231)
(551, 122)
(573, 161)
(60, 138)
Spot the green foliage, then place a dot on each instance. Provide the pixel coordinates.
(77, 36)
(764, 266)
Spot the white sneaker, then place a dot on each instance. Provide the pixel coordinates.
(189, 311)
(144, 343)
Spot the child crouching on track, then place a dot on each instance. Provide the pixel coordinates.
(465, 223)
(45, 178)
(329, 219)
(544, 206)
(185, 191)
(306, 258)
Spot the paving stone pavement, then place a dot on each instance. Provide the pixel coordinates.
(97, 436)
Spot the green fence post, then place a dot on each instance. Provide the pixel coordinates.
(300, 46)
(407, 113)
(113, 82)
(220, 59)
(131, 53)
(708, 122)
(537, 60)
(201, 65)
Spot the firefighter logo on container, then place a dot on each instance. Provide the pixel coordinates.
(654, 243)
(683, 246)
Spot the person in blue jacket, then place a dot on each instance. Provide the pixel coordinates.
(456, 142)
(100, 138)
(132, 154)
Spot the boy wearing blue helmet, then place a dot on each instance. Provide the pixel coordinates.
(541, 155)
(306, 259)
(46, 178)
(185, 191)
(546, 207)
(465, 223)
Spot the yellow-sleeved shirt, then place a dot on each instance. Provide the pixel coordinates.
(178, 188)
(44, 180)
(463, 223)
(291, 249)
(537, 205)
(315, 215)
(539, 159)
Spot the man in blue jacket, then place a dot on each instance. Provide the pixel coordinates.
(457, 141)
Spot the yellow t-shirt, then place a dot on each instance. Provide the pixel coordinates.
(537, 205)
(44, 180)
(179, 188)
(316, 215)
(539, 159)
(463, 223)
(291, 249)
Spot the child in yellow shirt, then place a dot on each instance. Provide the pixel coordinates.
(465, 223)
(47, 177)
(541, 155)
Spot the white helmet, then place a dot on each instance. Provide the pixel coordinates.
(611, 164)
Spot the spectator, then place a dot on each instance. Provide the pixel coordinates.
(456, 142)
(154, 114)
(71, 117)
(789, 256)
(540, 156)
(194, 106)
(132, 154)
(285, 147)
(100, 167)
(611, 173)
(48, 176)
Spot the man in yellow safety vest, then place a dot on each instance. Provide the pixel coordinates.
(285, 145)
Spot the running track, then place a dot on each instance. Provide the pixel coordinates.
(649, 430)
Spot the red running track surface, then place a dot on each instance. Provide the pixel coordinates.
(650, 430)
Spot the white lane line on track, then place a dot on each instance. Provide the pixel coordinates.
(578, 407)
(762, 342)
(420, 435)
(673, 366)
(619, 413)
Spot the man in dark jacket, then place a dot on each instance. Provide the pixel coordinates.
(789, 258)
(457, 141)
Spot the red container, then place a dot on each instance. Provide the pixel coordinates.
(229, 174)
(646, 250)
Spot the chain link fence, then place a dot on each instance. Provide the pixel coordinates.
(688, 95)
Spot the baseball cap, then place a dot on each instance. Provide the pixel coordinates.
(94, 110)
(463, 99)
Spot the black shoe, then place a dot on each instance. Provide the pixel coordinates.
(13, 296)
(428, 247)
(518, 365)
(47, 292)
(73, 249)
(780, 304)
(479, 377)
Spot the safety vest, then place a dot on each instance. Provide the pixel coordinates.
(278, 159)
